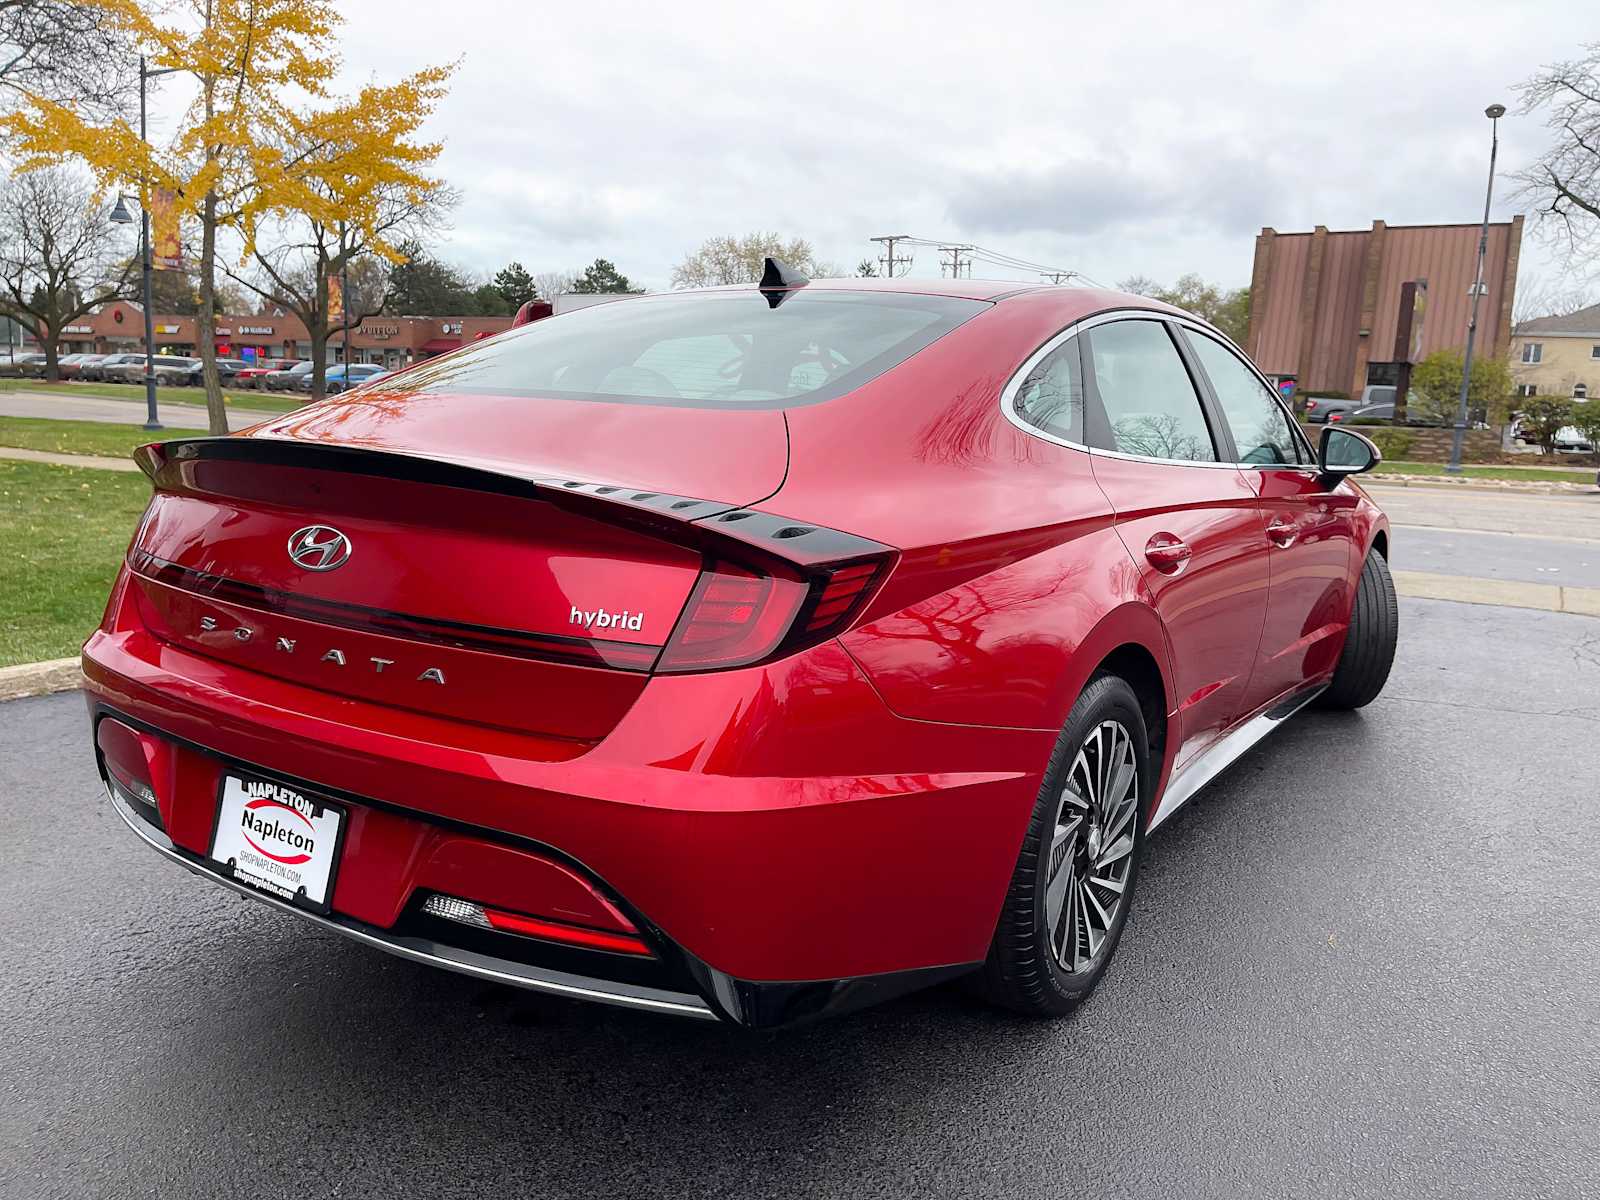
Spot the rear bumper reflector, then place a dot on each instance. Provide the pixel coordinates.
(467, 912)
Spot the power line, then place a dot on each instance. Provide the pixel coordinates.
(974, 253)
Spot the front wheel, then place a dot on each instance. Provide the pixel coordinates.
(1074, 878)
(1369, 645)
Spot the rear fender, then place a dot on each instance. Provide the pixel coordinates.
(1014, 647)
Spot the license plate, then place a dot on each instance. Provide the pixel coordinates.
(277, 839)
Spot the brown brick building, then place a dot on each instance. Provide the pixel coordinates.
(1324, 306)
(392, 341)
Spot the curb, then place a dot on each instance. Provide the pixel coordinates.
(1500, 487)
(40, 678)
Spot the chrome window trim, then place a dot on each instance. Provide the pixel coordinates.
(1008, 394)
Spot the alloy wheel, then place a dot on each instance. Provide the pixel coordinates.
(1091, 850)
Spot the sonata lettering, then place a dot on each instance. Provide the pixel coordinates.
(333, 654)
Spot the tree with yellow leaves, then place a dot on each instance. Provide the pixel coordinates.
(245, 151)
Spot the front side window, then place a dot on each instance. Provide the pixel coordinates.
(1260, 429)
(1149, 399)
(729, 349)
(1532, 352)
(1051, 397)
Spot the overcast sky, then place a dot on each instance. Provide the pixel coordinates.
(1110, 139)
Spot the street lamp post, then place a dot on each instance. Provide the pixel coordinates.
(1494, 112)
(121, 216)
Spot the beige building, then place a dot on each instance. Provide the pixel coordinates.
(1558, 356)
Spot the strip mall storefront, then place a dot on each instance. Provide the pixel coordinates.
(391, 341)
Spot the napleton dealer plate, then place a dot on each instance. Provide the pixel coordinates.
(277, 839)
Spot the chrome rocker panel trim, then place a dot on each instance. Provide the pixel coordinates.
(1227, 750)
(449, 958)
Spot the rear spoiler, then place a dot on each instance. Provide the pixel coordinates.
(710, 525)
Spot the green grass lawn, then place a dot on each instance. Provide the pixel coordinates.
(82, 437)
(63, 532)
(195, 397)
(1529, 474)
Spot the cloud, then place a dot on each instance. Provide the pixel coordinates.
(1101, 138)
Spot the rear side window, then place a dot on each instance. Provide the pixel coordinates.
(704, 350)
(1260, 429)
(1149, 400)
(1051, 397)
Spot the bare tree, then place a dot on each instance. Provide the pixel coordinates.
(725, 260)
(1540, 298)
(59, 255)
(65, 53)
(554, 283)
(295, 272)
(1563, 183)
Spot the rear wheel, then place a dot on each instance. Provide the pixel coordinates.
(1074, 878)
(1369, 646)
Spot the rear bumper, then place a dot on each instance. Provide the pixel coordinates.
(790, 847)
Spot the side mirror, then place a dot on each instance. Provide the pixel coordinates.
(1343, 452)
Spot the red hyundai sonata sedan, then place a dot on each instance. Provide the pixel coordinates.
(751, 653)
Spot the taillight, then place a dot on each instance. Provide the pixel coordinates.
(740, 615)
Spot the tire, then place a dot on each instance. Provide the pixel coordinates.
(1369, 646)
(1027, 969)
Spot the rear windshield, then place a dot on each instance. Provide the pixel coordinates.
(705, 350)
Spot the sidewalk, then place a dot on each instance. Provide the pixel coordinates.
(98, 462)
(117, 411)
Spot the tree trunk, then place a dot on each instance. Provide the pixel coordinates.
(317, 325)
(206, 323)
(319, 357)
(52, 368)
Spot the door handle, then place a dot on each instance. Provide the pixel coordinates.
(1167, 552)
(1283, 532)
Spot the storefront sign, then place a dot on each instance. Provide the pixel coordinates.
(379, 331)
(166, 329)
(266, 329)
(77, 329)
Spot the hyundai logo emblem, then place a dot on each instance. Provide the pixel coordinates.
(319, 547)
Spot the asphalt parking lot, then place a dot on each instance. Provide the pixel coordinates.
(1366, 961)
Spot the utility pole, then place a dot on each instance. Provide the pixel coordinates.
(888, 260)
(954, 262)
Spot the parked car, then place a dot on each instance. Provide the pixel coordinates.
(67, 362)
(285, 380)
(23, 366)
(227, 369)
(102, 371)
(1569, 440)
(341, 377)
(251, 375)
(171, 370)
(81, 363)
(740, 653)
(1320, 408)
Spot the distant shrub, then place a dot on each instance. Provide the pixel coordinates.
(1393, 443)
